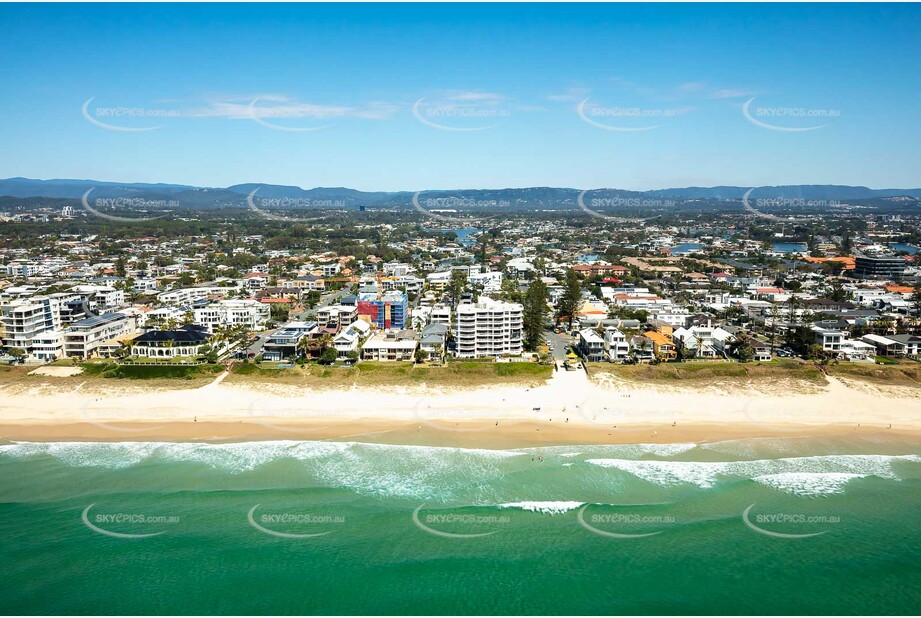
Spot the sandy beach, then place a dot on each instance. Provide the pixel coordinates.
(570, 408)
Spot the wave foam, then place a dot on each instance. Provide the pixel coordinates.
(705, 474)
(808, 483)
(557, 507)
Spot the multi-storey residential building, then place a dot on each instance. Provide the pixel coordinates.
(440, 314)
(488, 328)
(250, 314)
(283, 343)
(85, 337)
(390, 310)
(591, 346)
(829, 339)
(48, 345)
(618, 348)
(26, 319)
(337, 317)
(100, 298)
(185, 296)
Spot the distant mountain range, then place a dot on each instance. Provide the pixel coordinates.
(285, 196)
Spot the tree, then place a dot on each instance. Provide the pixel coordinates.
(534, 313)
(916, 300)
(329, 356)
(456, 286)
(837, 292)
(120, 266)
(569, 301)
(420, 356)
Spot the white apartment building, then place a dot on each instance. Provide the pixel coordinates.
(48, 345)
(337, 316)
(26, 319)
(441, 314)
(101, 298)
(490, 280)
(185, 296)
(85, 337)
(251, 314)
(488, 328)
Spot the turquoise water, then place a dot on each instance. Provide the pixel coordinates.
(788, 247)
(899, 246)
(425, 530)
(688, 247)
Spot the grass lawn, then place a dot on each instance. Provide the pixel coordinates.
(899, 373)
(371, 374)
(711, 371)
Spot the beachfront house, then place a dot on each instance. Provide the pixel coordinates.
(663, 347)
(616, 344)
(166, 344)
(590, 346)
(390, 346)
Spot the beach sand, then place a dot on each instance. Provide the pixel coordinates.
(569, 409)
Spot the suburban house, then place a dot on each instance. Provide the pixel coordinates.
(433, 341)
(663, 347)
(390, 346)
(283, 343)
(705, 341)
(349, 339)
(591, 346)
(616, 343)
(829, 339)
(894, 345)
(185, 341)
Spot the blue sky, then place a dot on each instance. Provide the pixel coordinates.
(412, 97)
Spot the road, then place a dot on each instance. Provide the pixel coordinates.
(560, 344)
(325, 300)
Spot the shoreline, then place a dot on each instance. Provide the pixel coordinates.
(469, 434)
(569, 408)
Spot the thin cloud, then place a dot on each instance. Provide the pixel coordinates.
(281, 106)
(570, 95)
(731, 93)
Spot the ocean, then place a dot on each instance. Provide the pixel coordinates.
(758, 526)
